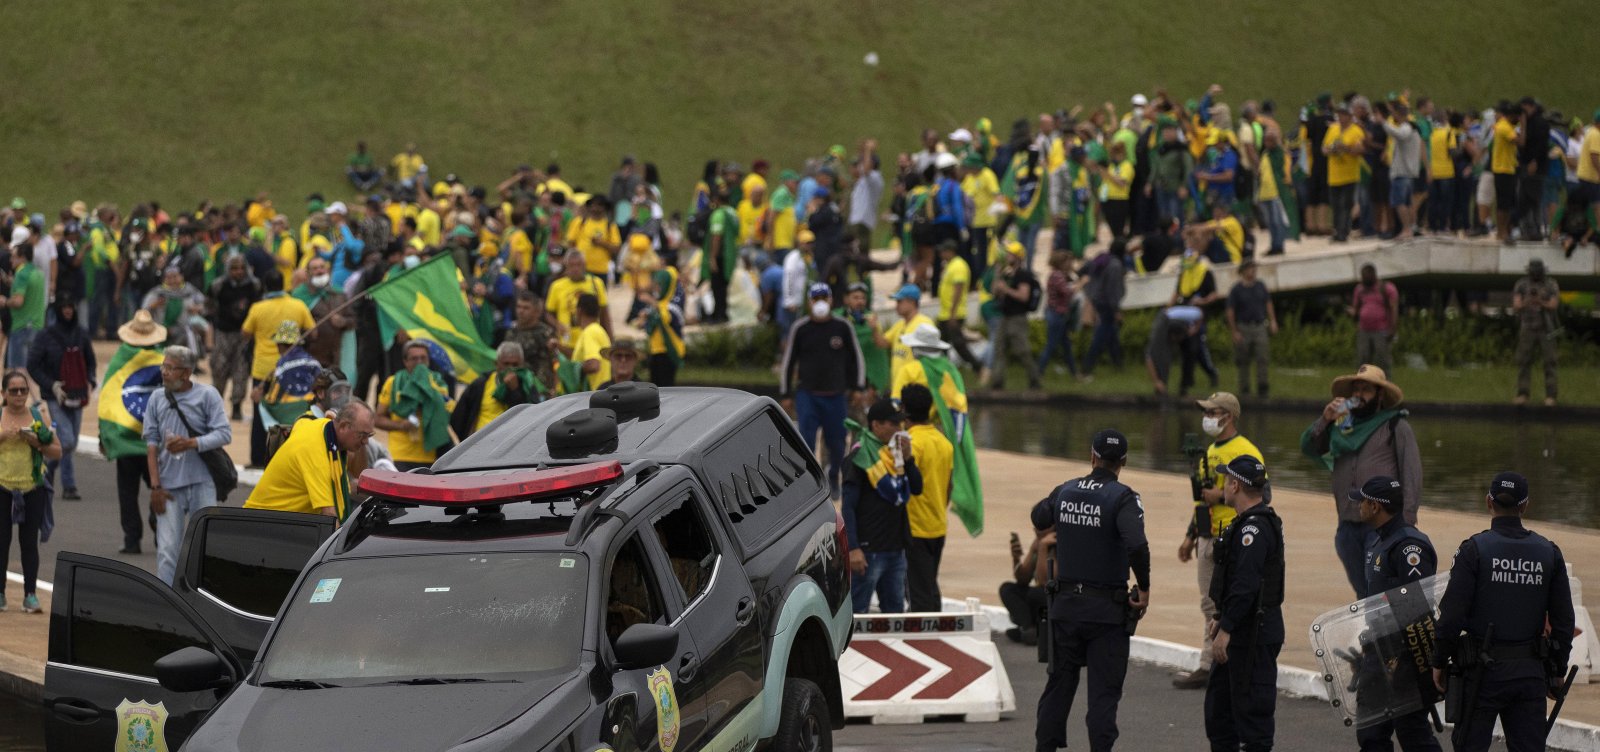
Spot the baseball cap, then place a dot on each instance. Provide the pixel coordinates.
(1110, 444)
(819, 290)
(788, 175)
(337, 207)
(945, 160)
(1509, 484)
(961, 135)
(884, 409)
(804, 236)
(1221, 401)
(822, 193)
(908, 292)
(1139, 100)
(1247, 470)
(1382, 489)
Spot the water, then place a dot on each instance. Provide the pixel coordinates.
(1459, 454)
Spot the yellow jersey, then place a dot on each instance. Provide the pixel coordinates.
(562, 300)
(900, 354)
(1217, 455)
(1503, 161)
(1344, 167)
(406, 446)
(307, 473)
(936, 460)
(263, 320)
(590, 343)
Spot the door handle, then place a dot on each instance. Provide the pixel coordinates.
(688, 666)
(77, 710)
(746, 610)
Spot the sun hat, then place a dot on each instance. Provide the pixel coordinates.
(926, 337)
(142, 331)
(1392, 395)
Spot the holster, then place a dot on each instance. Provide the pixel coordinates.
(1133, 615)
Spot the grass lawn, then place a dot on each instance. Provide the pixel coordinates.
(191, 99)
(1492, 385)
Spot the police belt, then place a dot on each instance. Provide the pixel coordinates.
(1517, 651)
(1113, 593)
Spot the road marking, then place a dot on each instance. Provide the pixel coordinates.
(42, 585)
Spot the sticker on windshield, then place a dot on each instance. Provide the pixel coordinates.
(141, 727)
(325, 590)
(568, 563)
(666, 699)
(436, 590)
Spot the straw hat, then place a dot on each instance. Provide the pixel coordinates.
(1371, 374)
(142, 331)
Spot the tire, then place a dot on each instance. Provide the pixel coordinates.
(804, 725)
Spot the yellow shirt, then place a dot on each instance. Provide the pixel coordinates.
(263, 320)
(557, 185)
(258, 214)
(396, 212)
(288, 257)
(914, 373)
(1232, 235)
(1440, 165)
(490, 408)
(521, 251)
(936, 458)
(406, 446)
(1504, 159)
(1267, 190)
(752, 182)
(590, 342)
(957, 272)
(900, 354)
(750, 221)
(16, 464)
(1124, 172)
(982, 189)
(406, 166)
(1344, 168)
(1586, 155)
(1218, 455)
(428, 226)
(305, 474)
(562, 300)
(581, 235)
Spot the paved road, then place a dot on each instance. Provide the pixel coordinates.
(92, 525)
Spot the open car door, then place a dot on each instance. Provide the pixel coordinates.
(238, 565)
(109, 624)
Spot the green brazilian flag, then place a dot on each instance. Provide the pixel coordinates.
(132, 377)
(569, 375)
(966, 490)
(867, 454)
(427, 302)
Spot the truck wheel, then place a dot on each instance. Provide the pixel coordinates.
(804, 725)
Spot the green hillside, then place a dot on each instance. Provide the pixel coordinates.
(186, 99)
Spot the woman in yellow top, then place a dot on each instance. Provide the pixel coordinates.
(26, 441)
(752, 212)
(1117, 178)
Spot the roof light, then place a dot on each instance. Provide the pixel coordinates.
(479, 490)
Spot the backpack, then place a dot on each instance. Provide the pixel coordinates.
(1035, 292)
(923, 216)
(699, 226)
(74, 378)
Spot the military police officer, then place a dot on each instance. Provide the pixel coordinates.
(1099, 527)
(1247, 587)
(1397, 554)
(1505, 584)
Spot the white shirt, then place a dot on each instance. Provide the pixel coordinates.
(794, 280)
(44, 256)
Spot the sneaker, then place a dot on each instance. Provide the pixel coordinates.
(130, 549)
(2, 601)
(1192, 679)
(1521, 399)
(71, 494)
(30, 604)
(1549, 401)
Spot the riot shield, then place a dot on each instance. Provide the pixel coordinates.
(1377, 653)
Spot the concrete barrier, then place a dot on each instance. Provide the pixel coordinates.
(903, 668)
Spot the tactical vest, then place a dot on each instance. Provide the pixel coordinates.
(1272, 576)
(1513, 586)
(1385, 569)
(1088, 546)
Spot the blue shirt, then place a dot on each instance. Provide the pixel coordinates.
(807, 188)
(346, 253)
(202, 406)
(772, 280)
(951, 205)
(1221, 189)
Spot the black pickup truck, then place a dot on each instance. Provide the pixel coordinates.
(629, 569)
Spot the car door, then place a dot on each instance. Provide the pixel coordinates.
(671, 698)
(109, 623)
(719, 604)
(238, 565)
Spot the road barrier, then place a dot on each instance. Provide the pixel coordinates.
(903, 668)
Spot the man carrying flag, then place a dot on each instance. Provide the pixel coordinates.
(133, 374)
(931, 367)
(414, 408)
(426, 302)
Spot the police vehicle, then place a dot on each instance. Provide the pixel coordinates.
(621, 570)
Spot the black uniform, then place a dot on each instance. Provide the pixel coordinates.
(1396, 555)
(1247, 587)
(1099, 525)
(1514, 579)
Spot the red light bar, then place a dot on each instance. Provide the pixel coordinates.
(521, 485)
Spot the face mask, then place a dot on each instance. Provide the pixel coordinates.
(819, 309)
(412, 262)
(555, 267)
(1212, 426)
(321, 280)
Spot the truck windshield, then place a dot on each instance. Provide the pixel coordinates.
(472, 617)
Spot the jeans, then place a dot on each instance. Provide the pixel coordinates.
(1277, 224)
(170, 524)
(132, 472)
(886, 576)
(1369, 223)
(1343, 198)
(1107, 337)
(1350, 543)
(1029, 238)
(1168, 205)
(1441, 202)
(17, 347)
(67, 421)
(1058, 334)
(813, 411)
(103, 314)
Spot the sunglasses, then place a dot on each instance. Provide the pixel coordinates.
(17, 390)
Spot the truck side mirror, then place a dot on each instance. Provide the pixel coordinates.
(193, 669)
(641, 646)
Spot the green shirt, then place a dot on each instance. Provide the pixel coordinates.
(360, 160)
(29, 282)
(724, 227)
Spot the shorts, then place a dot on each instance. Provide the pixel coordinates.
(1400, 190)
(1553, 187)
(1505, 192)
(1485, 194)
(1589, 192)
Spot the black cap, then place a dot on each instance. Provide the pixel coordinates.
(1511, 486)
(1247, 470)
(884, 409)
(1382, 489)
(1110, 444)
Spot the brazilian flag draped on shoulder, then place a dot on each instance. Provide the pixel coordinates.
(966, 490)
(133, 374)
(288, 395)
(427, 302)
(867, 446)
(569, 375)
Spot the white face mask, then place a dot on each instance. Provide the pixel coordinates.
(321, 280)
(555, 267)
(1212, 426)
(820, 309)
(412, 262)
